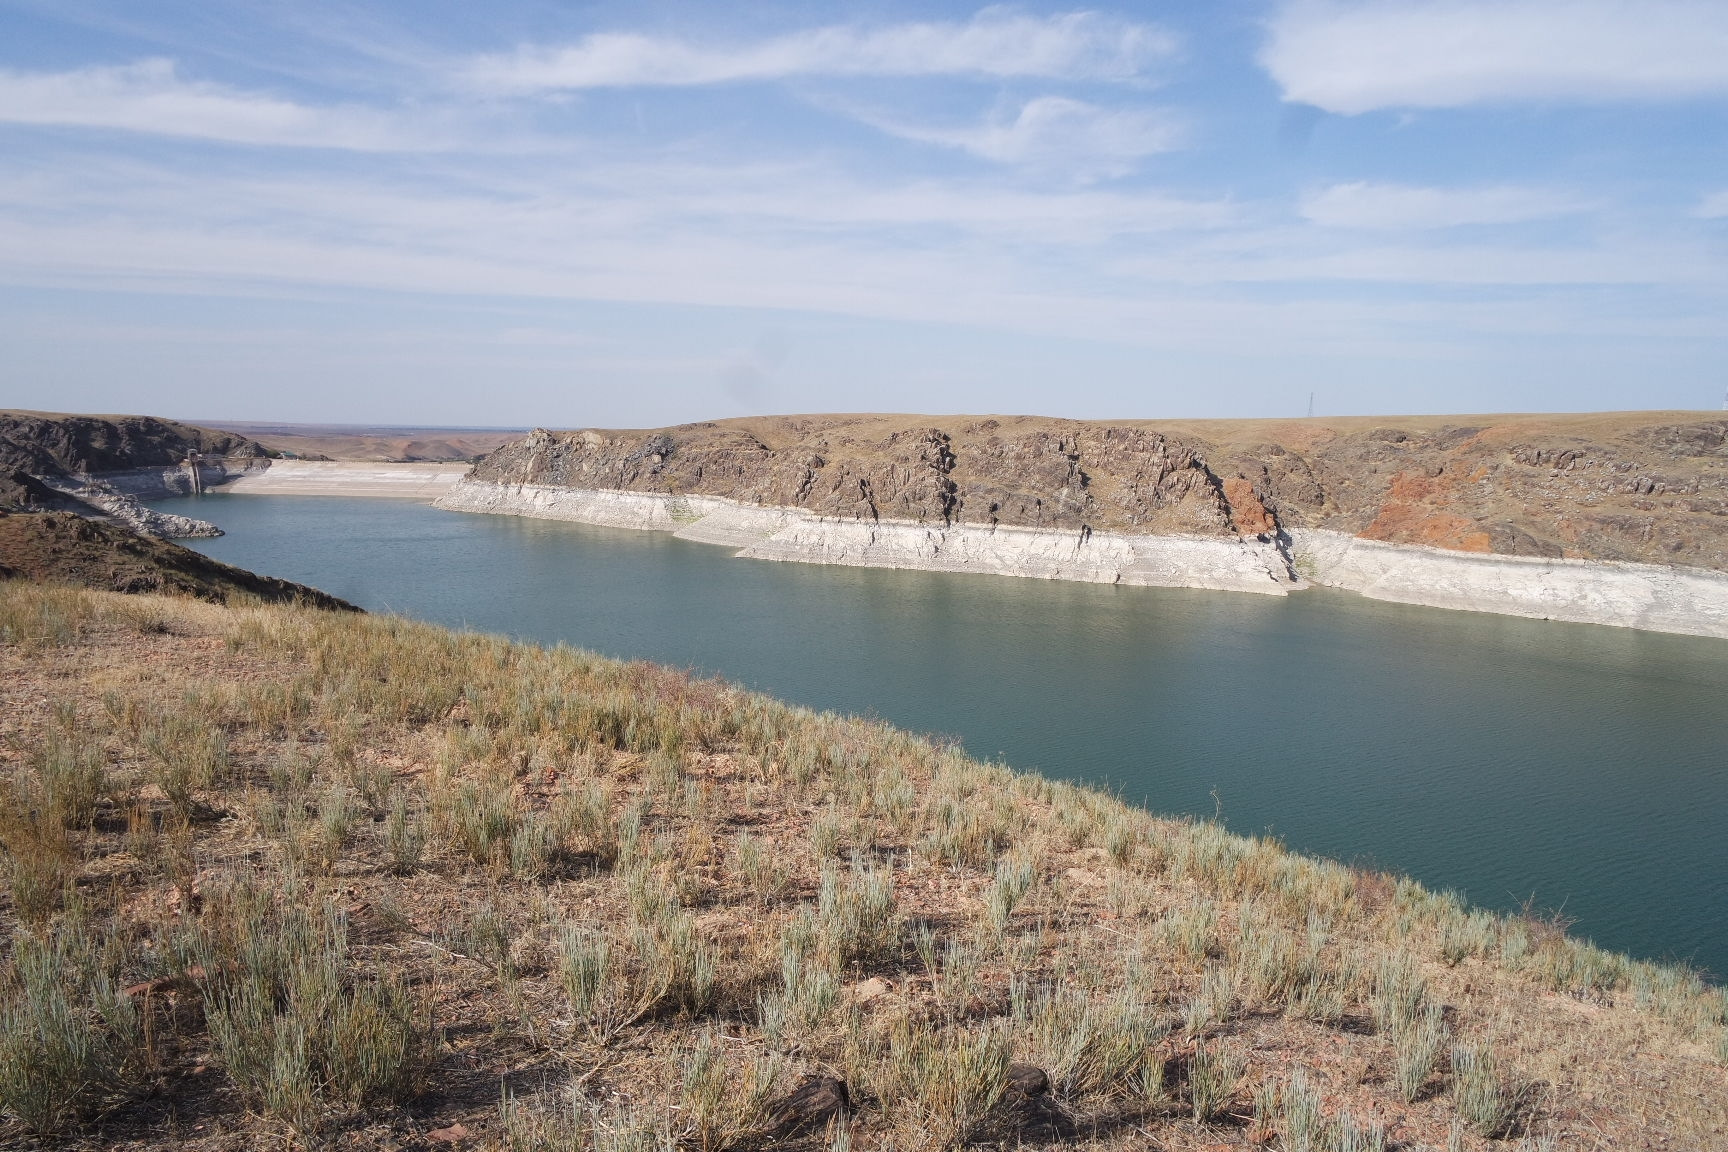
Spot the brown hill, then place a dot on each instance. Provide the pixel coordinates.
(382, 443)
(60, 547)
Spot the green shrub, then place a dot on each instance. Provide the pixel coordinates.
(71, 1043)
(1479, 1094)
(297, 1030)
(1214, 1074)
(949, 1082)
(1417, 1045)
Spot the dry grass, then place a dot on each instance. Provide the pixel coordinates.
(277, 875)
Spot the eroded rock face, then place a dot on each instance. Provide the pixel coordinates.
(1103, 477)
(1647, 488)
(99, 466)
(1644, 494)
(92, 445)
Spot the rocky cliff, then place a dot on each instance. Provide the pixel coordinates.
(43, 443)
(1646, 488)
(101, 466)
(70, 513)
(1373, 504)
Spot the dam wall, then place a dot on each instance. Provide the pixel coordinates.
(407, 481)
(119, 495)
(182, 479)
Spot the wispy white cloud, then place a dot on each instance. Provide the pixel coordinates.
(1425, 267)
(548, 217)
(1117, 265)
(151, 96)
(1399, 207)
(1053, 132)
(994, 43)
(1713, 207)
(1353, 56)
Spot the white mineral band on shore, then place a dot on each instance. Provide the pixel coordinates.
(1652, 597)
(761, 533)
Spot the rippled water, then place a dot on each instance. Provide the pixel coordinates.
(1581, 766)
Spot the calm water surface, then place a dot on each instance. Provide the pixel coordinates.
(1581, 766)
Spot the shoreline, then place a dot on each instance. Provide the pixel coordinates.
(1656, 598)
(793, 535)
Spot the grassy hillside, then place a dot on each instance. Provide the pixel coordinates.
(69, 549)
(277, 876)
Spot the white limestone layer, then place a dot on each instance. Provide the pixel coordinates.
(792, 534)
(1654, 597)
(1227, 564)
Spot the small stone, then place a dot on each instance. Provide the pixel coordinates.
(1027, 1080)
(815, 1101)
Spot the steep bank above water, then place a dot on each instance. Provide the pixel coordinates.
(1617, 518)
(70, 511)
(63, 548)
(102, 466)
(779, 533)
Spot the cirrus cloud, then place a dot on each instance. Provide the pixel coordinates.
(151, 96)
(1052, 132)
(1397, 207)
(994, 43)
(1354, 56)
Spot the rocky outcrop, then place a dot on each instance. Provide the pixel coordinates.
(45, 442)
(1636, 488)
(104, 466)
(104, 500)
(1073, 477)
(70, 511)
(1624, 517)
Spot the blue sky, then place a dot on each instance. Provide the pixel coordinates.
(529, 212)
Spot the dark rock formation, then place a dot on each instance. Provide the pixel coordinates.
(44, 444)
(99, 466)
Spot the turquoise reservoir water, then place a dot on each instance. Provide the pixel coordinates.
(1581, 766)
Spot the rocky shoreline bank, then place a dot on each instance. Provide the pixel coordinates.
(1658, 598)
(792, 534)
